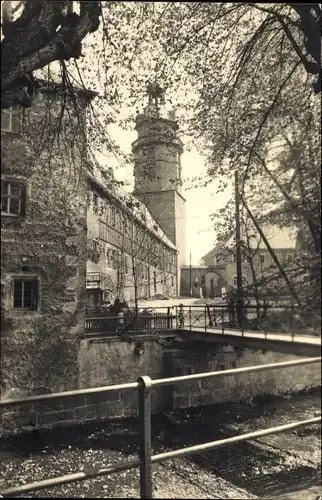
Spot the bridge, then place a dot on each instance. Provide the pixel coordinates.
(280, 329)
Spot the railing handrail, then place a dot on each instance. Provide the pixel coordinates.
(140, 316)
(160, 382)
(144, 386)
(68, 394)
(247, 306)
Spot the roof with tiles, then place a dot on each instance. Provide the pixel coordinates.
(101, 177)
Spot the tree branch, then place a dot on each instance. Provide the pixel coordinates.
(42, 34)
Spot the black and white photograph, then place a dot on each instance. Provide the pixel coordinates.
(160, 250)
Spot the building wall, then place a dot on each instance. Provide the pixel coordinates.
(168, 209)
(201, 281)
(157, 174)
(46, 243)
(264, 268)
(129, 360)
(132, 274)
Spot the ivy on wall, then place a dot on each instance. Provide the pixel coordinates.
(39, 348)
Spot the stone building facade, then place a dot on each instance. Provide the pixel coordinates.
(157, 172)
(43, 243)
(69, 236)
(129, 256)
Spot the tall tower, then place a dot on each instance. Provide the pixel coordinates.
(157, 169)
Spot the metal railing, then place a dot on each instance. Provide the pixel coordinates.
(272, 319)
(115, 325)
(288, 320)
(146, 459)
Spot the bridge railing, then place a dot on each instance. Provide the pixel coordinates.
(146, 459)
(280, 319)
(115, 325)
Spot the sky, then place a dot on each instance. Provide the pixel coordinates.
(200, 201)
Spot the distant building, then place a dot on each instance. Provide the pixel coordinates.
(218, 269)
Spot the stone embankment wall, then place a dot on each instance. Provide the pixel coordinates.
(115, 362)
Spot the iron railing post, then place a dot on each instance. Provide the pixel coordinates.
(144, 394)
(206, 322)
(291, 321)
(168, 320)
(222, 320)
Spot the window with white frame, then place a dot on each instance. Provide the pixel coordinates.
(13, 197)
(11, 120)
(25, 293)
(243, 281)
(262, 258)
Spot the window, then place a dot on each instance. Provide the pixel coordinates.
(113, 216)
(13, 197)
(102, 232)
(243, 281)
(218, 259)
(172, 281)
(108, 257)
(262, 258)
(95, 201)
(244, 258)
(25, 293)
(11, 120)
(114, 259)
(289, 258)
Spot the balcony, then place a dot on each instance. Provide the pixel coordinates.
(99, 281)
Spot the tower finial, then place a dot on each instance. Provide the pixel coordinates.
(155, 92)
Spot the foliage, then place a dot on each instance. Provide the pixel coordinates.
(34, 35)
